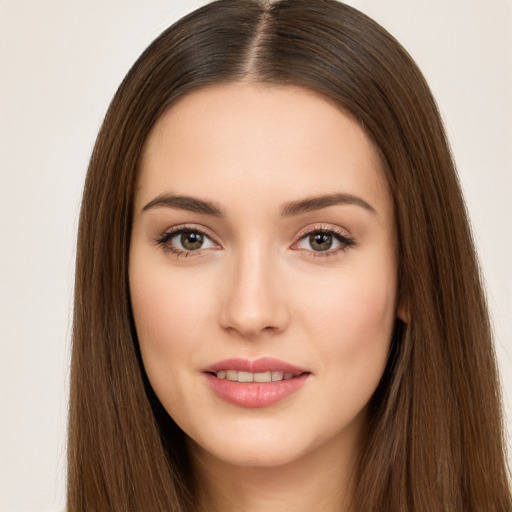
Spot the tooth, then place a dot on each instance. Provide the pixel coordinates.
(262, 377)
(221, 374)
(245, 377)
(231, 375)
(277, 376)
(288, 376)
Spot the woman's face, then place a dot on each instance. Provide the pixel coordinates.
(263, 249)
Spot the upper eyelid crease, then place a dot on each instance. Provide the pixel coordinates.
(176, 230)
(323, 228)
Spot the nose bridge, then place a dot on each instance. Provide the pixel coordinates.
(253, 301)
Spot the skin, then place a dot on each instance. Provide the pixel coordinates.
(258, 288)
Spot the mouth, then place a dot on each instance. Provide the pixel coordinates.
(260, 377)
(255, 383)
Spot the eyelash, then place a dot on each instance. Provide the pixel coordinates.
(166, 237)
(345, 241)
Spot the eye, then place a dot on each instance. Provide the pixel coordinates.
(326, 241)
(185, 241)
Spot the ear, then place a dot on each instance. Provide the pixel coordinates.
(402, 311)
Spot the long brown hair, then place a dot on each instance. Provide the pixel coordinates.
(435, 437)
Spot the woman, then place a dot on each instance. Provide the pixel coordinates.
(278, 304)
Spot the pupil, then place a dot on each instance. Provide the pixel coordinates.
(320, 241)
(191, 241)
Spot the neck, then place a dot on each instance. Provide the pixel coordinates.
(322, 481)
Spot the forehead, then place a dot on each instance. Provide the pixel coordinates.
(280, 141)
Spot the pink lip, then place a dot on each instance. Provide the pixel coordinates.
(255, 394)
(263, 364)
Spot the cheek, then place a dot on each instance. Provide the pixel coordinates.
(169, 312)
(353, 325)
(166, 308)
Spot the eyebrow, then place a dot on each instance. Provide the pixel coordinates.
(188, 203)
(309, 204)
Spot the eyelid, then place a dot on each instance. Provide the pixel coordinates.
(323, 227)
(166, 236)
(346, 241)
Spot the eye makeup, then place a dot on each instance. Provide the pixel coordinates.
(323, 242)
(186, 240)
(315, 241)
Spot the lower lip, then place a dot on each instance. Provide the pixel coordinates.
(255, 394)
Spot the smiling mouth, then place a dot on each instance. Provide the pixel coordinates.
(258, 377)
(255, 389)
(255, 383)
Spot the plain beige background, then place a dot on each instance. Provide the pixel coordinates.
(60, 63)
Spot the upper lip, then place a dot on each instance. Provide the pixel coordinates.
(263, 364)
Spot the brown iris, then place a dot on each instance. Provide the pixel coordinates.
(191, 240)
(320, 241)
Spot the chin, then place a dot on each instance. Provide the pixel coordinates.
(256, 455)
(263, 446)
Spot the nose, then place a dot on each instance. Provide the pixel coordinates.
(254, 300)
